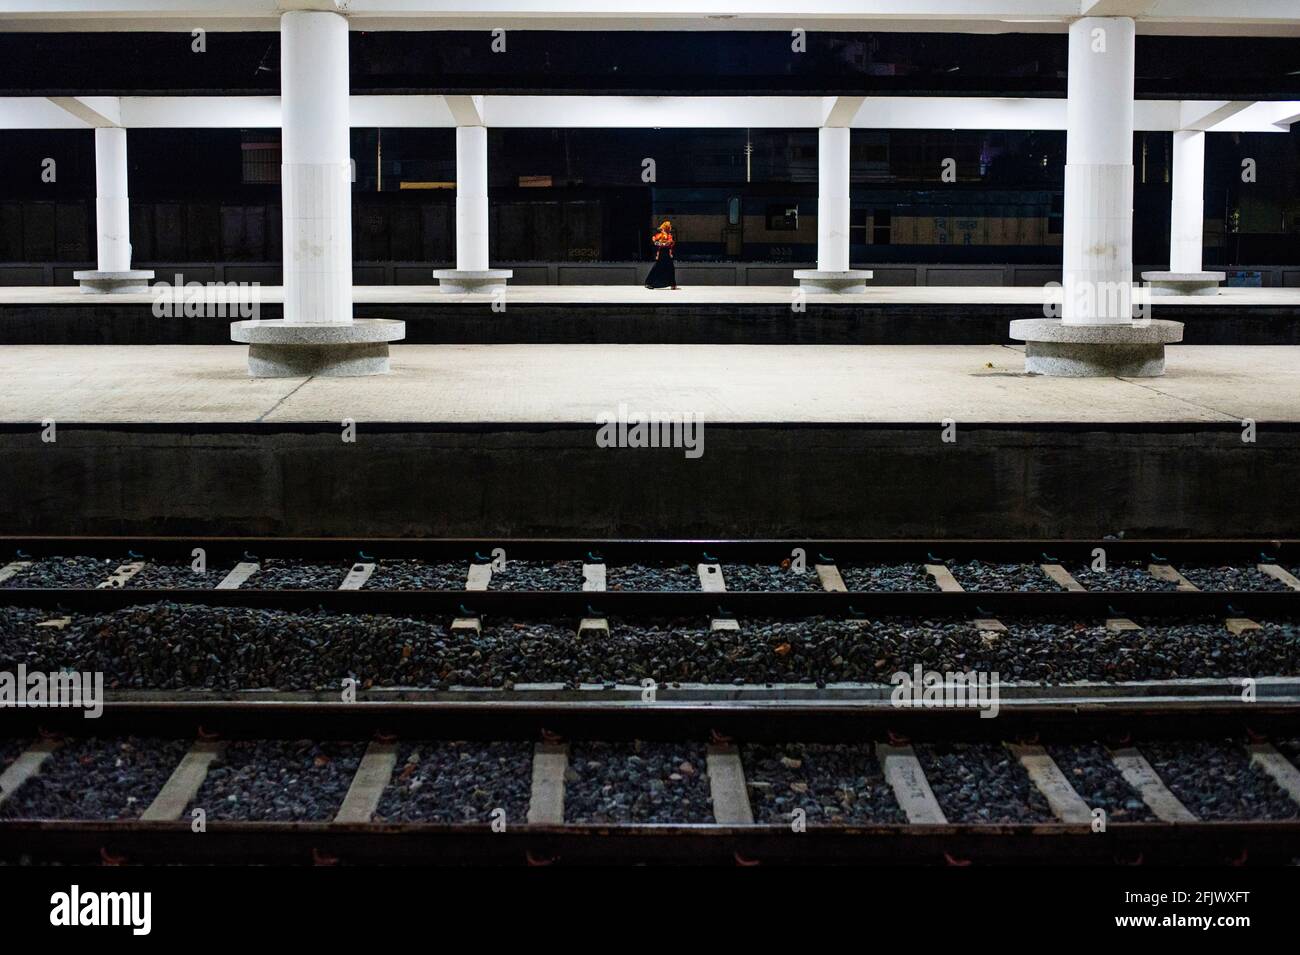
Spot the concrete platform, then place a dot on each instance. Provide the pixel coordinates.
(490, 441)
(685, 295)
(627, 315)
(574, 383)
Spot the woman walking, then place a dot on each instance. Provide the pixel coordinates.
(663, 274)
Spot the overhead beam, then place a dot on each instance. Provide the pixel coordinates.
(840, 110)
(1284, 123)
(1204, 116)
(1173, 17)
(97, 112)
(465, 110)
(200, 112)
(636, 112)
(1117, 8)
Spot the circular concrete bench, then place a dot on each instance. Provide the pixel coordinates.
(133, 280)
(280, 349)
(1183, 283)
(1085, 351)
(464, 280)
(816, 280)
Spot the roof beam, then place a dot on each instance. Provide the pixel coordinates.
(1196, 17)
(636, 112)
(98, 112)
(1203, 116)
(465, 110)
(1292, 116)
(1116, 8)
(840, 110)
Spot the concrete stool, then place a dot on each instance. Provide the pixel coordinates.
(134, 280)
(815, 280)
(464, 280)
(1086, 351)
(280, 349)
(1183, 283)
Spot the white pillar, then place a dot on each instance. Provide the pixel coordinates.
(316, 180)
(1187, 208)
(833, 199)
(1098, 240)
(112, 206)
(471, 199)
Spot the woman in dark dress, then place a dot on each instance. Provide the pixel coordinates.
(663, 274)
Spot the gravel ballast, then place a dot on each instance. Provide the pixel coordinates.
(1215, 780)
(637, 782)
(888, 577)
(981, 783)
(838, 784)
(538, 575)
(279, 780)
(978, 576)
(1094, 776)
(176, 577)
(676, 577)
(70, 572)
(1127, 577)
(11, 749)
(459, 782)
(277, 574)
(1231, 578)
(770, 577)
(418, 575)
(97, 779)
(171, 646)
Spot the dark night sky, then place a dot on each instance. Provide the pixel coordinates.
(630, 61)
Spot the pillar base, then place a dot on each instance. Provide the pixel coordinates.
(1095, 351)
(132, 280)
(816, 280)
(1183, 283)
(280, 349)
(466, 280)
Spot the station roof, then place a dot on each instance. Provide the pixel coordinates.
(1179, 17)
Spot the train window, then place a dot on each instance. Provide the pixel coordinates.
(733, 210)
(1056, 215)
(881, 220)
(783, 218)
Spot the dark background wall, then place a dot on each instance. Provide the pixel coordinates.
(577, 195)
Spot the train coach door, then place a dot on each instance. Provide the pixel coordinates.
(733, 230)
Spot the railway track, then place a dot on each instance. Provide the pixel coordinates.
(801, 578)
(439, 603)
(459, 617)
(903, 784)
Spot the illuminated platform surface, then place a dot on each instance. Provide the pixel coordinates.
(685, 295)
(575, 383)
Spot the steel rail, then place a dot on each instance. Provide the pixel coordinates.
(325, 843)
(621, 719)
(845, 550)
(677, 604)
